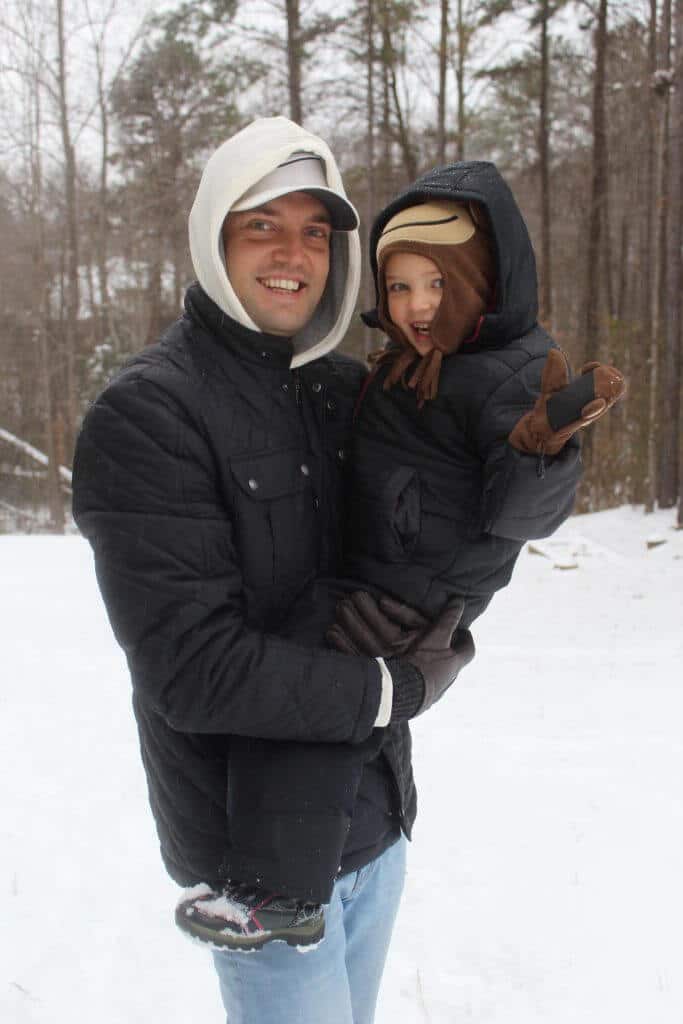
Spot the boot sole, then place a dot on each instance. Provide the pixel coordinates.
(307, 934)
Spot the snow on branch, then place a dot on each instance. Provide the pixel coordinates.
(33, 453)
(22, 513)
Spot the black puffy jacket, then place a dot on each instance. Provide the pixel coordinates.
(208, 477)
(442, 503)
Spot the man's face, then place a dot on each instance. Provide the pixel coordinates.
(278, 258)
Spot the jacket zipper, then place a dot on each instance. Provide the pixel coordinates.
(540, 468)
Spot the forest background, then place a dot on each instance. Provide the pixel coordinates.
(108, 113)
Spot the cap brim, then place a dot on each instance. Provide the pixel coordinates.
(344, 216)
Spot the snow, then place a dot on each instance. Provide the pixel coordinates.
(223, 908)
(544, 881)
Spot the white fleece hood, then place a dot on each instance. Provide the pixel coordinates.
(237, 165)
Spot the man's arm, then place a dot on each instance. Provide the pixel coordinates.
(145, 496)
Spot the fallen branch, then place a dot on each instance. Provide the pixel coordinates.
(33, 453)
(20, 512)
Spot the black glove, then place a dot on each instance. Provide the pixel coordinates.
(438, 656)
(362, 626)
(423, 658)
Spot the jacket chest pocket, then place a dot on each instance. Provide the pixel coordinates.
(275, 517)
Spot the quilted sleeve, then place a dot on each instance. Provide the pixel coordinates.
(524, 496)
(145, 497)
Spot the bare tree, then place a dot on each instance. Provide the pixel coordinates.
(598, 190)
(443, 67)
(462, 33)
(100, 32)
(668, 314)
(394, 19)
(544, 166)
(294, 59)
(370, 208)
(674, 333)
(40, 311)
(293, 44)
(72, 282)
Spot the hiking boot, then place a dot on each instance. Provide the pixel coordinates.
(245, 917)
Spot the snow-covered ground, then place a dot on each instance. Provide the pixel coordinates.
(545, 881)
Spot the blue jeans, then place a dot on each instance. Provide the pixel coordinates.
(338, 981)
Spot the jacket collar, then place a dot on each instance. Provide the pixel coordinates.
(251, 346)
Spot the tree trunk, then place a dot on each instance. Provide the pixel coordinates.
(544, 165)
(674, 333)
(460, 80)
(409, 161)
(387, 175)
(154, 291)
(653, 273)
(443, 64)
(72, 289)
(294, 60)
(599, 185)
(370, 208)
(40, 316)
(668, 387)
(623, 274)
(102, 246)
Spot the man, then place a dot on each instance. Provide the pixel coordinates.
(208, 478)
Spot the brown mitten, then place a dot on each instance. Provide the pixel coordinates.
(564, 407)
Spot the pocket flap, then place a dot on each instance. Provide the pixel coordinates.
(273, 475)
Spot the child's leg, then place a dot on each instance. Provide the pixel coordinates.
(289, 805)
(289, 808)
(287, 799)
(289, 813)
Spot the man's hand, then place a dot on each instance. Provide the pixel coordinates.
(383, 629)
(565, 407)
(439, 654)
(423, 658)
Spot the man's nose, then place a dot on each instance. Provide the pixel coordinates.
(290, 248)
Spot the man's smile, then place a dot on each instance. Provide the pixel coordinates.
(282, 285)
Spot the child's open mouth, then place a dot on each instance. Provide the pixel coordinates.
(422, 330)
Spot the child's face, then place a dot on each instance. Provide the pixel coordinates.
(414, 289)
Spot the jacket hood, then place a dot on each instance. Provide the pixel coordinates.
(515, 307)
(234, 167)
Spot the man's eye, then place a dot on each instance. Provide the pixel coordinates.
(320, 233)
(259, 225)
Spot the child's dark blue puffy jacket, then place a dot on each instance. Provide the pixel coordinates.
(441, 504)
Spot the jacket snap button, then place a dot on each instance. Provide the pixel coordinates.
(305, 470)
(341, 454)
(265, 355)
(331, 406)
(316, 503)
(253, 484)
(316, 387)
(285, 387)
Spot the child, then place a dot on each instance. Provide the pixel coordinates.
(463, 450)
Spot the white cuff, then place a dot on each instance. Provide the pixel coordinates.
(387, 698)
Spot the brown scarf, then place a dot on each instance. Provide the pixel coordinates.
(461, 247)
